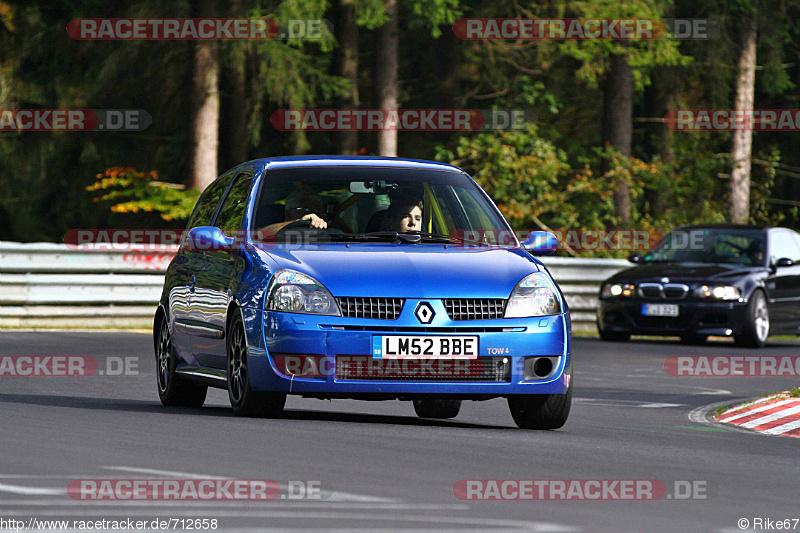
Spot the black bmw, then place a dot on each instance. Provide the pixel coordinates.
(723, 280)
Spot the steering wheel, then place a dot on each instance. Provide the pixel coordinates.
(294, 225)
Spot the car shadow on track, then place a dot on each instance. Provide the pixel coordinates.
(141, 406)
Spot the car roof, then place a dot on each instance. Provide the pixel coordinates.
(339, 160)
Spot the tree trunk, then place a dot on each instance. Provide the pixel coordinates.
(741, 149)
(348, 68)
(205, 108)
(387, 58)
(618, 123)
(660, 97)
(233, 104)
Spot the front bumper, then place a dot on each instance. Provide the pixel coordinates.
(273, 335)
(694, 318)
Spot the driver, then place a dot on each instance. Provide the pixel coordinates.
(405, 214)
(301, 204)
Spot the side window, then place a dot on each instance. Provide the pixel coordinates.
(783, 244)
(208, 202)
(231, 213)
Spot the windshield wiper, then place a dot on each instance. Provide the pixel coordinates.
(387, 236)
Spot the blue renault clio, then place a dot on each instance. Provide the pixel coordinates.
(363, 278)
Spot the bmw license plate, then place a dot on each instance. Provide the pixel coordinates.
(423, 347)
(660, 310)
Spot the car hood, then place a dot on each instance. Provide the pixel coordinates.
(408, 270)
(683, 272)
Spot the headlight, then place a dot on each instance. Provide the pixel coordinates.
(295, 292)
(535, 295)
(618, 289)
(718, 292)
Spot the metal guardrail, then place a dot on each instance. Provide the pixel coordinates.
(44, 285)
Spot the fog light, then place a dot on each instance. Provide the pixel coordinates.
(539, 367)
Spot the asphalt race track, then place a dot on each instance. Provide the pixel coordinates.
(382, 468)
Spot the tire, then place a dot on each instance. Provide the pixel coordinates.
(614, 336)
(173, 390)
(756, 329)
(540, 411)
(694, 339)
(244, 401)
(437, 408)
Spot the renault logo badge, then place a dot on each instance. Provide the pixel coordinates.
(424, 313)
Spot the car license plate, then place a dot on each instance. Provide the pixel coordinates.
(660, 310)
(424, 347)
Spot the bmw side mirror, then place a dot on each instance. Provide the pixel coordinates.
(784, 262)
(541, 243)
(634, 258)
(207, 238)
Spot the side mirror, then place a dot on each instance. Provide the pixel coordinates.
(784, 262)
(541, 243)
(207, 238)
(634, 258)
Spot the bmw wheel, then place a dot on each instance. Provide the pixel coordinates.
(540, 411)
(245, 401)
(172, 390)
(756, 329)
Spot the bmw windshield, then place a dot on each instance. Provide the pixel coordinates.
(711, 245)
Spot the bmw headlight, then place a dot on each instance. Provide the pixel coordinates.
(612, 290)
(294, 292)
(535, 295)
(718, 292)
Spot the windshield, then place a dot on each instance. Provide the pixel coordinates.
(745, 247)
(360, 204)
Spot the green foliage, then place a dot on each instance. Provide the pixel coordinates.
(133, 192)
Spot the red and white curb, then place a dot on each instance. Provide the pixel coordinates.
(778, 414)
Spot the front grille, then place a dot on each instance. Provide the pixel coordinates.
(379, 308)
(669, 291)
(650, 290)
(365, 368)
(675, 291)
(475, 308)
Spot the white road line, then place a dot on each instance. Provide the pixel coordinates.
(771, 418)
(163, 473)
(784, 428)
(123, 506)
(754, 411)
(31, 491)
(624, 403)
(336, 495)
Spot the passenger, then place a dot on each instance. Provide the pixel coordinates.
(405, 214)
